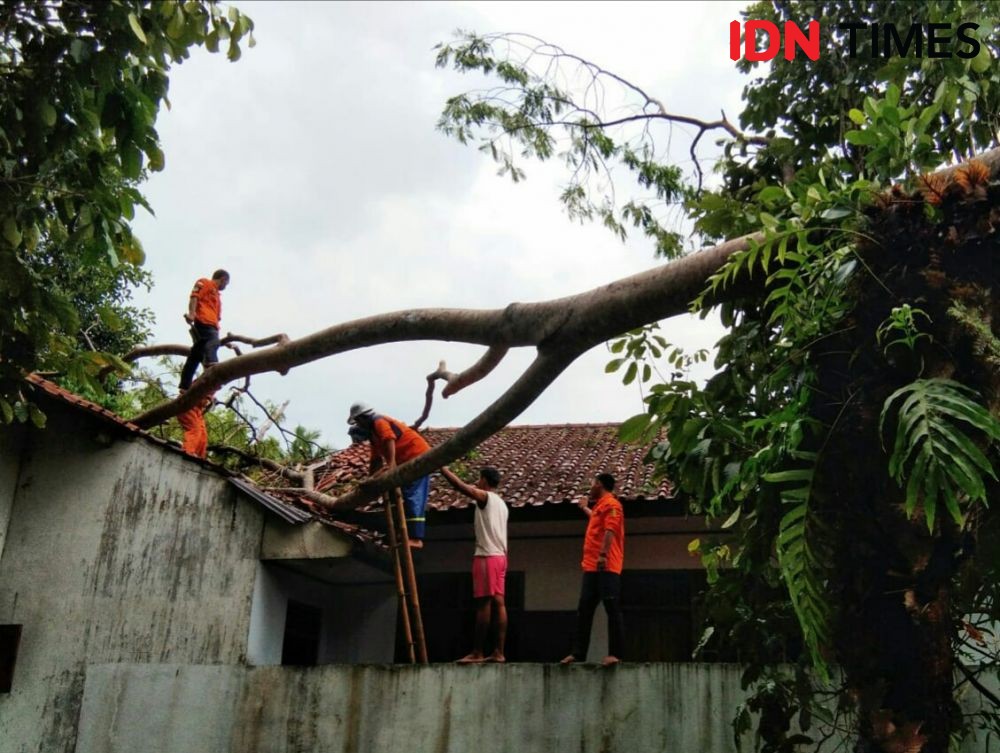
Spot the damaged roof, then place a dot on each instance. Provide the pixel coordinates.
(294, 514)
(540, 465)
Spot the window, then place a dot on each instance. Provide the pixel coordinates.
(302, 630)
(10, 639)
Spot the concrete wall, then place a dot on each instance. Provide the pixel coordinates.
(115, 552)
(441, 708)
(358, 622)
(11, 446)
(529, 708)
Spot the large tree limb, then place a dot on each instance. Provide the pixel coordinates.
(535, 379)
(577, 322)
(561, 329)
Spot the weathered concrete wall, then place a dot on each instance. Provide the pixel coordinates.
(358, 621)
(441, 708)
(120, 553)
(529, 708)
(11, 445)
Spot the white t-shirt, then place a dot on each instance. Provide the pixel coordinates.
(491, 526)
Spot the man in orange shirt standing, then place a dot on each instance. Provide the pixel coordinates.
(393, 442)
(603, 557)
(204, 314)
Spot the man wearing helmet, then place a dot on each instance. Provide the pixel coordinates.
(393, 442)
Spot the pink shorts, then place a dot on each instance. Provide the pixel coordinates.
(488, 575)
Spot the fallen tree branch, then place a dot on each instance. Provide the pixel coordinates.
(536, 378)
(286, 472)
(561, 329)
(582, 320)
(171, 349)
(490, 360)
(455, 382)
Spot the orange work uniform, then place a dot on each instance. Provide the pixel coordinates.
(608, 515)
(195, 432)
(409, 443)
(208, 302)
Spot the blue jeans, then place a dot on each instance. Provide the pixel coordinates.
(414, 503)
(204, 350)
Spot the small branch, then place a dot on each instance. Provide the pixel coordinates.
(324, 500)
(153, 351)
(974, 681)
(289, 473)
(456, 382)
(537, 377)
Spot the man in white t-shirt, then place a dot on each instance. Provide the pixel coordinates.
(489, 565)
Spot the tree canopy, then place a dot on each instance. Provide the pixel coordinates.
(846, 444)
(81, 86)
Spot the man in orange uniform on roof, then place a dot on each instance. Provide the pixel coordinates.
(204, 314)
(195, 432)
(393, 442)
(603, 557)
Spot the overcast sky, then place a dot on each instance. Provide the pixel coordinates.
(313, 172)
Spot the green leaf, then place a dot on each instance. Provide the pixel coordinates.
(861, 138)
(857, 117)
(982, 62)
(133, 21)
(731, 520)
(630, 373)
(633, 428)
(613, 365)
(11, 232)
(836, 213)
(47, 113)
(37, 417)
(6, 410)
(771, 194)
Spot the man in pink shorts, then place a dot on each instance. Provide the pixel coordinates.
(489, 565)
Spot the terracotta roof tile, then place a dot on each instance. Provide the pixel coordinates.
(540, 465)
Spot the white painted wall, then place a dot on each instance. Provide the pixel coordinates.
(358, 623)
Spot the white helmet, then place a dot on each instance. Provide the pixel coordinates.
(359, 409)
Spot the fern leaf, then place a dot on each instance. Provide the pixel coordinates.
(800, 567)
(933, 456)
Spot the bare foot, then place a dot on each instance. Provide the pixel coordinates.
(416, 544)
(496, 658)
(568, 660)
(473, 658)
(610, 661)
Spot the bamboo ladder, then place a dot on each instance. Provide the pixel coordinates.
(406, 577)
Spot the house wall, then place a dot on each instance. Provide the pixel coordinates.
(116, 551)
(442, 708)
(11, 444)
(358, 621)
(531, 708)
(549, 552)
